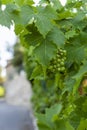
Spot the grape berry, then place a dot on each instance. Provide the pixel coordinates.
(57, 64)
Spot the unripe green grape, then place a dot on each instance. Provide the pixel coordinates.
(54, 66)
(62, 68)
(58, 69)
(57, 64)
(61, 53)
(58, 56)
(64, 51)
(58, 60)
(62, 60)
(60, 50)
(54, 59)
(50, 67)
(53, 70)
(61, 63)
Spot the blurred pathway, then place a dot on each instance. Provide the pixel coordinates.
(19, 90)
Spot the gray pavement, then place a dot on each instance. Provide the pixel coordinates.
(19, 91)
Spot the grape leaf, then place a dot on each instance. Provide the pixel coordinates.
(14, 12)
(22, 2)
(5, 18)
(45, 51)
(69, 83)
(56, 36)
(65, 14)
(26, 14)
(82, 125)
(43, 127)
(41, 118)
(70, 34)
(37, 73)
(74, 119)
(6, 1)
(79, 75)
(43, 1)
(60, 125)
(44, 18)
(19, 28)
(75, 53)
(47, 119)
(84, 106)
(12, 8)
(56, 4)
(51, 112)
(81, 72)
(78, 19)
(68, 126)
(33, 37)
(42, 122)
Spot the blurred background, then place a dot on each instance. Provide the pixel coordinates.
(12, 68)
(8, 39)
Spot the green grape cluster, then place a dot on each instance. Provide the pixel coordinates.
(57, 64)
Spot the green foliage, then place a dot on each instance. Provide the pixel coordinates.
(43, 30)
